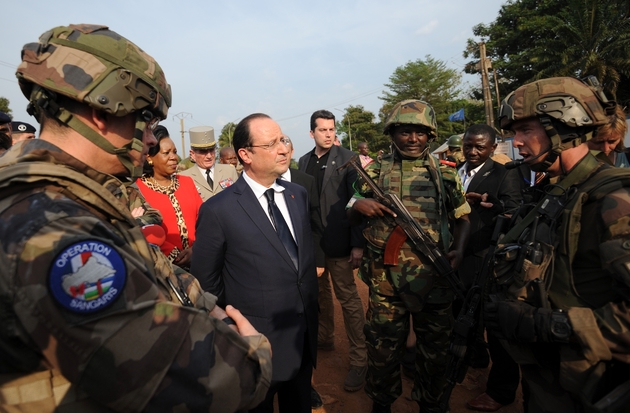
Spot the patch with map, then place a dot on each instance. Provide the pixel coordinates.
(87, 276)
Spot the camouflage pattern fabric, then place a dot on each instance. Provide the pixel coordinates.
(129, 349)
(95, 65)
(591, 283)
(412, 112)
(151, 215)
(387, 327)
(413, 287)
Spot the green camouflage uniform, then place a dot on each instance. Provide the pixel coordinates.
(151, 216)
(562, 293)
(128, 349)
(412, 287)
(588, 279)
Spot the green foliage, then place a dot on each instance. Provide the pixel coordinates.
(225, 139)
(362, 128)
(429, 80)
(4, 106)
(533, 39)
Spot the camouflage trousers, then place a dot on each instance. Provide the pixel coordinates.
(399, 295)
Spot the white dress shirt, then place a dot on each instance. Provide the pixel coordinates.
(259, 191)
(467, 177)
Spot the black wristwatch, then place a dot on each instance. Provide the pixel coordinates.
(560, 326)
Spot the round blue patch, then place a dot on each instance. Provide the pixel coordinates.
(87, 276)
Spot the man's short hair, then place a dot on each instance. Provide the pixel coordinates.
(242, 137)
(484, 130)
(320, 114)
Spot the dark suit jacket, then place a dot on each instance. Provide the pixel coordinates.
(339, 237)
(494, 179)
(308, 182)
(239, 257)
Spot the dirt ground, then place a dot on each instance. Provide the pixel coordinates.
(332, 367)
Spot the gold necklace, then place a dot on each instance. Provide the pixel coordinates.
(153, 184)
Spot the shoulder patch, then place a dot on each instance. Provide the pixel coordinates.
(87, 276)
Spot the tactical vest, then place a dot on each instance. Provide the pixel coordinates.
(582, 365)
(414, 185)
(555, 269)
(48, 390)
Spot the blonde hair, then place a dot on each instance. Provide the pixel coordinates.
(616, 126)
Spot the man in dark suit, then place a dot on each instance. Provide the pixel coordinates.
(308, 182)
(490, 190)
(255, 251)
(341, 243)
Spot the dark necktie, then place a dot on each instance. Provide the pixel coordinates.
(209, 179)
(284, 233)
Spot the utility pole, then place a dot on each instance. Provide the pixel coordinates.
(484, 65)
(181, 116)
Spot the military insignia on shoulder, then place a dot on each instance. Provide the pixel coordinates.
(87, 276)
(226, 182)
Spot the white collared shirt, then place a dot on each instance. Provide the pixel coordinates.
(203, 172)
(259, 192)
(286, 176)
(467, 177)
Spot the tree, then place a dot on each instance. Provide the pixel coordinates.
(4, 106)
(533, 39)
(429, 80)
(225, 139)
(359, 123)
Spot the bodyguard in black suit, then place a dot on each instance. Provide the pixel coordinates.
(255, 252)
(341, 243)
(488, 181)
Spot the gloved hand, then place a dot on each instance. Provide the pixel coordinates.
(497, 206)
(518, 321)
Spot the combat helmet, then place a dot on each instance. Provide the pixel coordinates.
(98, 67)
(455, 141)
(570, 111)
(412, 112)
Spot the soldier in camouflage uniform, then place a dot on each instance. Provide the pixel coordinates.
(87, 320)
(454, 152)
(561, 300)
(433, 194)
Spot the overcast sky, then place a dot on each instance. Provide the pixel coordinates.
(227, 59)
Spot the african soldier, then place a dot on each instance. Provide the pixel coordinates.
(434, 196)
(561, 300)
(454, 152)
(84, 324)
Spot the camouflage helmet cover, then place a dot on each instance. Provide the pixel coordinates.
(565, 99)
(412, 112)
(455, 141)
(97, 66)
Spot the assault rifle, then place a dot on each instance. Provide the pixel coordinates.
(407, 228)
(467, 323)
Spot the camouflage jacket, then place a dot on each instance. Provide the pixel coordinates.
(453, 207)
(586, 272)
(79, 296)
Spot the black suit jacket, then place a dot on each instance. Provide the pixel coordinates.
(337, 189)
(239, 257)
(308, 182)
(493, 179)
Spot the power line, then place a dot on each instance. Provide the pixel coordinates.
(335, 104)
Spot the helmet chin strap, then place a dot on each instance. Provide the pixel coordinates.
(40, 100)
(557, 146)
(409, 154)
